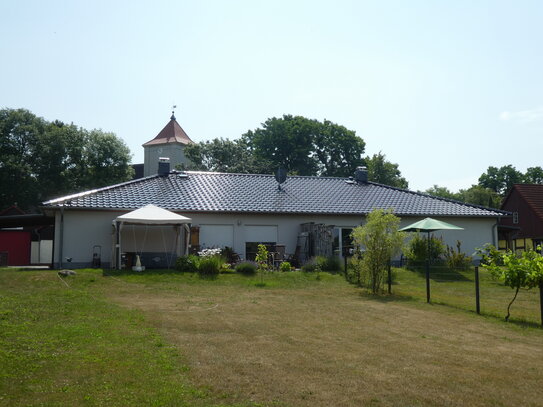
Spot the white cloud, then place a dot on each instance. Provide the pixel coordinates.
(523, 116)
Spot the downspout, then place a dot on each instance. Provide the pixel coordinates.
(61, 237)
(495, 233)
(117, 245)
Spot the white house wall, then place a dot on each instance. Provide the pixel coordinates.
(84, 229)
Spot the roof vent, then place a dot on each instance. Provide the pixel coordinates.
(361, 175)
(163, 166)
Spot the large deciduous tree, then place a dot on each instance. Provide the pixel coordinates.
(475, 194)
(224, 155)
(41, 160)
(307, 147)
(443, 192)
(384, 172)
(534, 175)
(338, 150)
(478, 195)
(19, 130)
(300, 145)
(500, 180)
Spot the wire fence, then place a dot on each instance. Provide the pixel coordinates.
(458, 288)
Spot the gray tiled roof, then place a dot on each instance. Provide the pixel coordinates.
(220, 192)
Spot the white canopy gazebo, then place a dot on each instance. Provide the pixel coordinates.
(151, 215)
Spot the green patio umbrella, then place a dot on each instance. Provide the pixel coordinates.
(429, 225)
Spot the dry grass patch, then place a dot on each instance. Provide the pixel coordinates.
(325, 344)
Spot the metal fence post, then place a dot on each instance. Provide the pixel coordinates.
(477, 299)
(428, 281)
(390, 279)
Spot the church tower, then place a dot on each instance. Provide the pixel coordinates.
(170, 143)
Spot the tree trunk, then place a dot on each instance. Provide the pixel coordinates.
(511, 303)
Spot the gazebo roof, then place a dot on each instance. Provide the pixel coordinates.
(152, 215)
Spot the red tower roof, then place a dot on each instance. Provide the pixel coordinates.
(171, 133)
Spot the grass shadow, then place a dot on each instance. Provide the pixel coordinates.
(386, 298)
(441, 273)
(117, 273)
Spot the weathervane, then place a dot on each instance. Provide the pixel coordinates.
(173, 112)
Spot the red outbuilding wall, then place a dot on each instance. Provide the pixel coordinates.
(17, 245)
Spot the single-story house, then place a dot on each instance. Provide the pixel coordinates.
(305, 215)
(524, 229)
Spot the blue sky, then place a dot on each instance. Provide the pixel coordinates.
(443, 88)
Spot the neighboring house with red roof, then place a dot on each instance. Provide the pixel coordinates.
(524, 230)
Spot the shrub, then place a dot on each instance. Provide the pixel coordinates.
(457, 259)
(210, 265)
(311, 266)
(380, 238)
(230, 255)
(353, 274)
(331, 264)
(247, 268)
(417, 250)
(285, 266)
(187, 264)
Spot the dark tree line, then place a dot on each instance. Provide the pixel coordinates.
(300, 145)
(40, 160)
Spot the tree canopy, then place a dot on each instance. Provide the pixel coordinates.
(500, 180)
(40, 159)
(476, 195)
(225, 155)
(306, 146)
(302, 146)
(384, 172)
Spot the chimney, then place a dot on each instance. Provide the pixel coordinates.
(163, 166)
(361, 175)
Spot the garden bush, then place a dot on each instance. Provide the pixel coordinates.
(210, 265)
(417, 250)
(187, 264)
(331, 264)
(246, 267)
(285, 266)
(311, 266)
(230, 255)
(457, 259)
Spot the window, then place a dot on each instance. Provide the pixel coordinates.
(342, 241)
(515, 217)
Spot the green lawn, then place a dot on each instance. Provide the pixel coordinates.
(171, 339)
(457, 288)
(68, 346)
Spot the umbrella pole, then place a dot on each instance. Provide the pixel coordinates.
(428, 271)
